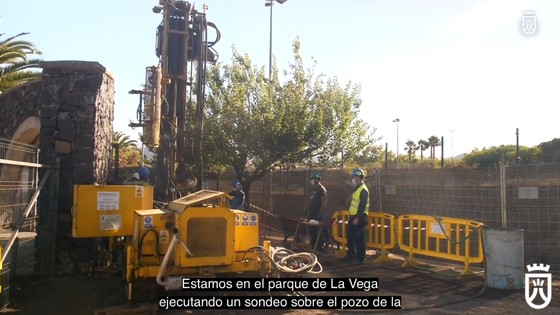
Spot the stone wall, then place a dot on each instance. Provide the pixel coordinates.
(74, 102)
(77, 123)
(17, 105)
(77, 103)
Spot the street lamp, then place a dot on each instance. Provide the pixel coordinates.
(270, 3)
(397, 121)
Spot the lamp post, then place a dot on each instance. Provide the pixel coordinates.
(397, 121)
(270, 3)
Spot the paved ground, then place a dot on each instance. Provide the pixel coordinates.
(435, 290)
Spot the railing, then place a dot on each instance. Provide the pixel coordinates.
(437, 237)
(440, 237)
(19, 190)
(380, 232)
(381, 227)
(339, 230)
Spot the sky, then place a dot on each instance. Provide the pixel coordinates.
(460, 69)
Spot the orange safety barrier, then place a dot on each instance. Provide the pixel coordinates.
(441, 237)
(380, 234)
(340, 219)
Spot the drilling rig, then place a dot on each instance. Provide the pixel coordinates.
(197, 235)
(173, 89)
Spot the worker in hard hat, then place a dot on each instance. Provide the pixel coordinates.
(144, 174)
(238, 201)
(142, 177)
(316, 210)
(359, 209)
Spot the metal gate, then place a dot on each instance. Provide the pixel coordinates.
(19, 191)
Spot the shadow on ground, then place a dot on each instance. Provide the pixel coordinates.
(433, 289)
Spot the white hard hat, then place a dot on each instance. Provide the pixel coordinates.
(135, 175)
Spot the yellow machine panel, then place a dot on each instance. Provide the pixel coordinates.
(246, 230)
(102, 211)
(210, 239)
(208, 233)
(152, 234)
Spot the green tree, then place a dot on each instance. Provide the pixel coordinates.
(255, 124)
(550, 151)
(423, 145)
(15, 62)
(129, 154)
(124, 140)
(490, 158)
(370, 155)
(410, 149)
(434, 142)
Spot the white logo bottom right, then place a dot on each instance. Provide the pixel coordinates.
(535, 284)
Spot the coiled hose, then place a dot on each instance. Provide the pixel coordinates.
(290, 262)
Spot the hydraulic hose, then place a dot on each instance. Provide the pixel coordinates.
(290, 262)
(171, 283)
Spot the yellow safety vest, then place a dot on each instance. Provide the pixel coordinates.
(356, 201)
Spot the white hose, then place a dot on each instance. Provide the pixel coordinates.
(288, 261)
(171, 283)
(285, 260)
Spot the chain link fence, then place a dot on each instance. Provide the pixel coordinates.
(520, 196)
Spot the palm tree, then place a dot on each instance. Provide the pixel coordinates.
(411, 148)
(434, 142)
(423, 145)
(124, 141)
(15, 64)
(129, 154)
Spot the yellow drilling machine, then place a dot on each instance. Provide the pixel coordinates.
(197, 235)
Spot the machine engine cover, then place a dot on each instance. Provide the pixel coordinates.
(209, 233)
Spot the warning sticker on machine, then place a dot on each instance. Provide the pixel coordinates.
(110, 222)
(108, 200)
(138, 192)
(253, 220)
(148, 222)
(164, 236)
(237, 219)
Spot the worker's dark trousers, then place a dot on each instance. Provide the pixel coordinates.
(355, 235)
(314, 230)
(313, 234)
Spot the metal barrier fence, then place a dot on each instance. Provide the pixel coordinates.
(339, 230)
(18, 211)
(439, 237)
(380, 232)
(527, 197)
(436, 237)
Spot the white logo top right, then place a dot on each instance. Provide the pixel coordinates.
(529, 24)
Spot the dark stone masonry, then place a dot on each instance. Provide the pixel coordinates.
(77, 102)
(77, 105)
(74, 101)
